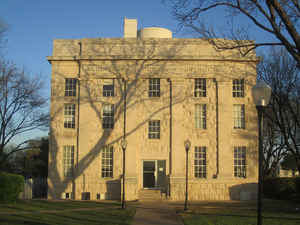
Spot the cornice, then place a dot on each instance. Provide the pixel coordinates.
(151, 40)
(163, 58)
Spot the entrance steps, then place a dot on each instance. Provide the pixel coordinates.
(151, 195)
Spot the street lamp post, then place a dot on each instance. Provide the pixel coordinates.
(261, 93)
(123, 145)
(187, 145)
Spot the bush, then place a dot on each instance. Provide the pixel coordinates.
(282, 188)
(11, 186)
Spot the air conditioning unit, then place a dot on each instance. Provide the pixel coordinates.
(85, 196)
(67, 195)
(102, 196)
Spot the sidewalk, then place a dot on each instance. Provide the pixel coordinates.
(156, 212)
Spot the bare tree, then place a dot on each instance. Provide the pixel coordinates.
(278, 18)
(273, 147)
(280, 71)
(21, 107)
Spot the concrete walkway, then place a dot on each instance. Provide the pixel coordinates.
(156, 213)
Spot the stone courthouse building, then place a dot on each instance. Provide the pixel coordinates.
(159, 91)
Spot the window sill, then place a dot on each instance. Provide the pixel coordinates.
(155, 98)
(106, 178)
(200, 130)
(238, 129)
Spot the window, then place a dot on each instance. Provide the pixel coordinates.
(68, 160)
(70, 86)
(108, 88)
(154, 87)
(108, 116)
(107, 161)
(238, 88)
(239, 116)
(240, 161)
(69, 116)
(200, 87)
(200, 116)
(200, 162)
(154, 129)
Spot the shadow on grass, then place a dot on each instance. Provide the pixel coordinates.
(103, 216)
(235, 215)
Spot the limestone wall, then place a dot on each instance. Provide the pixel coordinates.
(213, 189)
(176, 63)
(168, 48)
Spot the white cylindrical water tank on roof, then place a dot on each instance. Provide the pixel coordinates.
(154, 32)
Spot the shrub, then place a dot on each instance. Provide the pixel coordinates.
(11, 186)
(281, 188)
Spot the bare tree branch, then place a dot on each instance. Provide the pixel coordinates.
(281, 72)
(280, 19)
(21, 106)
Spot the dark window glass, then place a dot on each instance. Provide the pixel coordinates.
(154, 129)
(108, 90)
(238, 88)
(200, 87)
(107, 161)
(240, 161)
(108, 116)
(154, 87)
(69, 116)
(68, 160)
(70, 86)
(200, 162)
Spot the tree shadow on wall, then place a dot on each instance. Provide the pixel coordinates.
(133, 62)
(130, 63)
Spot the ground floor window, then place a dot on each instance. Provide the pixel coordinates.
(107, 161)
(68, 160)
(200, 162)
(240, 161)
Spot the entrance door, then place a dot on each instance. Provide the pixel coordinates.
(154, 174)
(149, 174)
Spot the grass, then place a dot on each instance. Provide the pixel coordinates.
(43, 212)
(241, 213)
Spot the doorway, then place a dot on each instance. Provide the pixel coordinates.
(154, 174)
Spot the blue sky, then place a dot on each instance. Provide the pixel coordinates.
(34, 24)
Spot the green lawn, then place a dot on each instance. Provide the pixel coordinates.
(38, 212)
(41, 212)
(241, 213)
